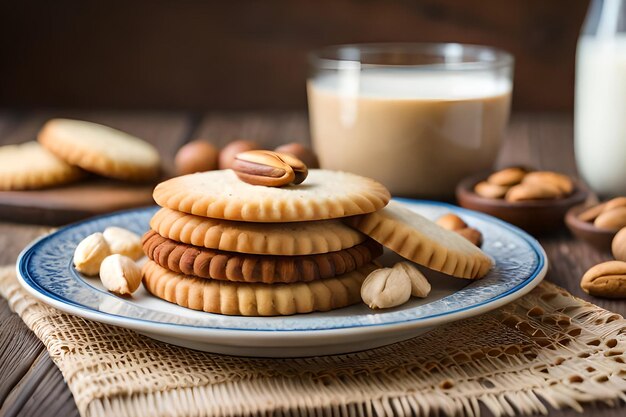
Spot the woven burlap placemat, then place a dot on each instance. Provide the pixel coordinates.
(548, 347)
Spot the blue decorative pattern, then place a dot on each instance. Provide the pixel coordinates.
(46, 267)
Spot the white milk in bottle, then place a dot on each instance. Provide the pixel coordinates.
(600, 111)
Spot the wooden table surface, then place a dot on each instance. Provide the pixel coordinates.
(31, 385)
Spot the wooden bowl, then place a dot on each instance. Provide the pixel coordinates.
(598, 238)
(537, 217)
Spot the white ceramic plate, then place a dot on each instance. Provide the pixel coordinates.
(45, 270)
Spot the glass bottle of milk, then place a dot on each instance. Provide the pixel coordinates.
(600, 109)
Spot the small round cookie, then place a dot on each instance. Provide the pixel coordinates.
(101, 149)
(221, 195)
(418, 239)
(298, 238)
(268, 269)
(245, 299)
(30, 166)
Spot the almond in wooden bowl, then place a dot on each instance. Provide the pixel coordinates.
(597, 224)
(537, 205)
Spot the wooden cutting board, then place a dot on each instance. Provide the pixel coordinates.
(92, 196)
(62, 205)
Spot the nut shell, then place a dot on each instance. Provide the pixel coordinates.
(487, 190)
(607, 279)
(451, 221)
(533, 191)
(591, 213)
(562, 182)
(611, 219)
(196, 156)
(471, 234)
(618, 245)
(507, 176)
(614, 203)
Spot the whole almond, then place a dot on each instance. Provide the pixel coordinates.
(488, 190)
(611, 219)
(562, 182)
(299, 168)
(507, 176)
(533, 191)
(451, 221)
(607, 279)
(591, 213)
(262, 168)
(614, 203)
(471, 234)
(618, 245)
(268, 168)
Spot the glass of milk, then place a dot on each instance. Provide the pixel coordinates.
(600, 110)
(417, 117)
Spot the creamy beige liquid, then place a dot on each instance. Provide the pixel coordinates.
(419, 134)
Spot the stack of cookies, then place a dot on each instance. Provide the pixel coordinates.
(271, 238)
(222, 245)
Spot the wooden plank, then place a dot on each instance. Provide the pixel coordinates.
(92, 196)
(42, 392)
(270, 131)
(19, 347)
(252, 55)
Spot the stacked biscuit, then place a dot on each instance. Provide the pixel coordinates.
(221, 245)
(224, 245)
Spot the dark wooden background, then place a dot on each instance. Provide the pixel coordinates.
(243, 55)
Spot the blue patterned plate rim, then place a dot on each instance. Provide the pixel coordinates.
(32, 286)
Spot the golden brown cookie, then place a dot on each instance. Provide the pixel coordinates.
(422, 241)
(298, 238)
(30, 166)
(221, 195)
(246, 299)
(231, 266)
(100, 149)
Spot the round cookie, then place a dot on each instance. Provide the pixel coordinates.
(30, 166)
(221, 195)
(418, 239)
(268, 269)
(100, 149)
(245, 299)
(298, 238)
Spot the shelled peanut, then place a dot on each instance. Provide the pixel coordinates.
(111, 255)
(518, 184)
